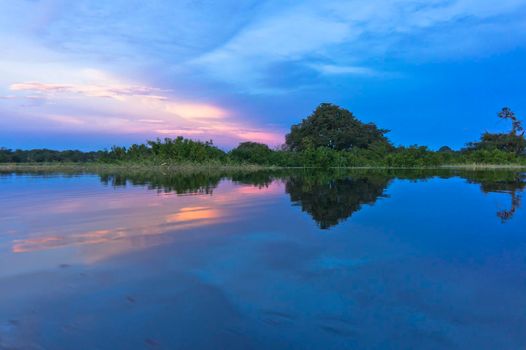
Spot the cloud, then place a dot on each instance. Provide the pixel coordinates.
(180, 132)
(168, 67)
(114, 91)
(63, 119)
(331, 69)
(151, 121)
(346, 37)
(196, 111)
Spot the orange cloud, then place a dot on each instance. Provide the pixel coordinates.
(193, 214)
(196, 111)
(181, 132)
(260, 136)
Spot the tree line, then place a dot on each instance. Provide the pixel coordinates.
(330, 137)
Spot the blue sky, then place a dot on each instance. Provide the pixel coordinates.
(89, 74)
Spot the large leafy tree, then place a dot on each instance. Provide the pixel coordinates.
(335, 128)
(512, 141)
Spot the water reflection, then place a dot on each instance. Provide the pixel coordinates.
(330, 198)
(134, 219)
(197, 183)
(115, 220)
(415, 259)
(510, 183)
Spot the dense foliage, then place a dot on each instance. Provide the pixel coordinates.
(512, 141)
(47, 155)
(167, 151)
(335, 128)
(251, 152)
(330, 137)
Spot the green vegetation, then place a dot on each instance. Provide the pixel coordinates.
(337, 129)
(252, 153)
(46, 155)
(329, 137)
(512, 142)
(169, 150)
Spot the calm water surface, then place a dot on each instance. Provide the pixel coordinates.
(355, 260)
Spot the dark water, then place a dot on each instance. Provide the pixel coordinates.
(347, 260)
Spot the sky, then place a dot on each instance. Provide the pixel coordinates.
(88, 74)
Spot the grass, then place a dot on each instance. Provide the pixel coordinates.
(482, 166)
(130, 167)
(212, 167)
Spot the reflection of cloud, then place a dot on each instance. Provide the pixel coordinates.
(27, 245)
(129, 220)
(193, 214)
(274, 188)
(51, 242)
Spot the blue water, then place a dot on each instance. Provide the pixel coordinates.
(301, 260)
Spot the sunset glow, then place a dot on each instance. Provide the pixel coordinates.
(89, 75)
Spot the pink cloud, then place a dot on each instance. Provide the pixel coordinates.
(133, 108)
(115, 91)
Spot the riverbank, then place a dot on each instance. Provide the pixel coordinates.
(129, 167)
(212, 167)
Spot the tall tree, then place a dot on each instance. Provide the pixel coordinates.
(512, 141)
(336, 128)
(516, 124)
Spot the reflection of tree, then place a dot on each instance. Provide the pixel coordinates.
(490, 181)
(330, 199)
(199, 183)
(191, 182)
(511, 183)
(328, 196)
(505, 215)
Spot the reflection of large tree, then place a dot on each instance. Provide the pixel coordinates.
(330, 199)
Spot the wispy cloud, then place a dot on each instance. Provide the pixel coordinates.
(332, 69)
(117, 92)
(64, 119)
(352, 34)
